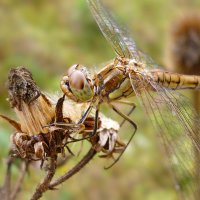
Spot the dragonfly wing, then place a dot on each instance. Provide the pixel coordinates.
(179, 127)
(118, 37)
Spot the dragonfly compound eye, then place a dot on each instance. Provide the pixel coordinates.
(77, 80)
(77, 85)
(72, 69)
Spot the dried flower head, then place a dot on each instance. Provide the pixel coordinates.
(34, 138)
(34, 109)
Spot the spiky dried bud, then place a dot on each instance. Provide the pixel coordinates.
(108, 138)
(21, 87)
(185, 45)
(33, 109)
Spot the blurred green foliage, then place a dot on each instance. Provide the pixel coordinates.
(47, 36)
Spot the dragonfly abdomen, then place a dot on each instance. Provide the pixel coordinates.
(176, 81)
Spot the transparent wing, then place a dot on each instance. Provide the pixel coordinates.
(118, 37)
(179, 127)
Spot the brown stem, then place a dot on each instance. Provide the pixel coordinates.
(5, 189)
(19, 181)
(44, 185)
(91, 153)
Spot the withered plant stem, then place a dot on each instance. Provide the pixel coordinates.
(44, 185)
(91, 153)
(5, 189)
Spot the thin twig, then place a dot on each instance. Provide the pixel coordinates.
(19, 181)
(5, 189)
(91, 153)
(44, 185)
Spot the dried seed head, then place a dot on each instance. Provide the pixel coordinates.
(185, 45)
(21, 87)
(108, 140)
(33, 109)
(36, 111)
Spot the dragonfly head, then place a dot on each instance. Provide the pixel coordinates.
(77, 84)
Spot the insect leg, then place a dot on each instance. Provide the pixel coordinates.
(96, 122)
(85, 114)
(135, 129)
(124, 116)
(96, 119)
(129, 113)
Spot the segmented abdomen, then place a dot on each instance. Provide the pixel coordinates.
(176, 81)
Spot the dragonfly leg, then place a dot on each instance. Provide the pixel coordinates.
(69, 150)
(129, 113)
(135, 129)
(59, 118)
(95, 122)
(96, 119)
(124, 116)
(85, 114)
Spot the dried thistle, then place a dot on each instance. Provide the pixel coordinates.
(34, 139)
(108, 138)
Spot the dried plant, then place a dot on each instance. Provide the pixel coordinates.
(46, 127)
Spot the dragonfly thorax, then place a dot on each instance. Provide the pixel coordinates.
(77, 84)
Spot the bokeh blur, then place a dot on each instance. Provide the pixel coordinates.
(48, 36)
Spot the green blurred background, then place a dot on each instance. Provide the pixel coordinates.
(48, 36)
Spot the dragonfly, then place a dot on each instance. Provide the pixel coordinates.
(36, 110)
(134, 73)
